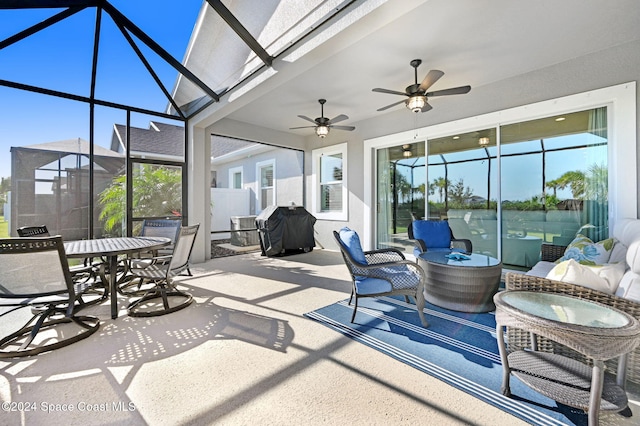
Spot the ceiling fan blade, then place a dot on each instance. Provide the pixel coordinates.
(453, 91)
(303, 127)
(426, 107)
(431, 77)
(349, 128)
(391, 92)
(304, 117)
(338, 119)
(389, 106)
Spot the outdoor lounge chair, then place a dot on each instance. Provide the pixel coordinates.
(35, 274)
(160, 270)
(380, 272)
(435, 235)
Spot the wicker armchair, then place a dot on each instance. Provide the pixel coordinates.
(380, 272)
(435, 235)
(519, 339)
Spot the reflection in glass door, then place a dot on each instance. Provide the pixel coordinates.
(462, 181)
(400, 193)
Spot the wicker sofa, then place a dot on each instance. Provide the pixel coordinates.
(627, 234)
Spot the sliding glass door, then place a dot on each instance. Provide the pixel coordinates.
(401, 193)
(509, 189)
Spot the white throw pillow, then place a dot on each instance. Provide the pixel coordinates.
(604, 278)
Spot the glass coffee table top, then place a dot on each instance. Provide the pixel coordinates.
(567, 310)
(474, 260)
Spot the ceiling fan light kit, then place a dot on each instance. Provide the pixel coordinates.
(322, 131)
(416, 103)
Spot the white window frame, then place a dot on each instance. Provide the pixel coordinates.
(233, 171)
(620, 101)
(316, 155)
(259, 166)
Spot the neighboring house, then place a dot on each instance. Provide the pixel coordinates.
(54, 177)
(159, 142)
(274, 176)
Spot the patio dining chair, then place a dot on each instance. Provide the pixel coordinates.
(165, 228)
(161, 271)
(89, 273)
(35, 274)
(382, 272)
(435, 235)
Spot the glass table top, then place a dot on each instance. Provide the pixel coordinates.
(474, 259)
(568, 310)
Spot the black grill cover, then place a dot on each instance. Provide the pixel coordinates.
(285, 228)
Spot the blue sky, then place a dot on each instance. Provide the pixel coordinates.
(59, 58)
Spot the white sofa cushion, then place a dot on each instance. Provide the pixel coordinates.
(604, 278)
(541, 269)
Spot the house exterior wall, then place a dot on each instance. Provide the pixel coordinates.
(288, 176)
(606, 68)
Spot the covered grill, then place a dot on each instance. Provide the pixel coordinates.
(284, 229)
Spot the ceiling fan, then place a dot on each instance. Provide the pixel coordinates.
(323, 124)
(417, 93)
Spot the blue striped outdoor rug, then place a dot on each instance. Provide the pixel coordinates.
(458, 348)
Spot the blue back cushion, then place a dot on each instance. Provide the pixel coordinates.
(352, 242)
(434, 233)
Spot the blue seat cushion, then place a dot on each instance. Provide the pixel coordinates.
(351, 242)
(417, 252)
(366, 286)
(435, 233)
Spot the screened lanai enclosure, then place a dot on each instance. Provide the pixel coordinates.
(508, 189)
(97, 96)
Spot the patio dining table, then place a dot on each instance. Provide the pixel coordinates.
(111, 248)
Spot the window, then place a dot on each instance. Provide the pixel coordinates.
(235, 177)
(266, 184)
(330, 182)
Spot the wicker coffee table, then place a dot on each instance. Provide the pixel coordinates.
(460, 285)
(595, 330)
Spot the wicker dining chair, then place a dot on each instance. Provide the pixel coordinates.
(380, 272)
(35, 274)
(160, 271)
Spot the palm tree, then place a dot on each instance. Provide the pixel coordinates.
(157, 191)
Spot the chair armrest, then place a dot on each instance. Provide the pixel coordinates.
(552, 252)
(394, 272)
(420, 245)
(462, 243)
(375, 257)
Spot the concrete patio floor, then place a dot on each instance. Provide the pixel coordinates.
(242, 354)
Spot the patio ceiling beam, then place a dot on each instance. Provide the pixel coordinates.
(35, 89)
(39, 26)
(149, 68)
(242, 32)
(130, 26)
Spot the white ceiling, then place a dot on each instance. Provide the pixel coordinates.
(474, 42)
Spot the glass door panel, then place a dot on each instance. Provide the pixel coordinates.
(462, 182)
(554, 183)
(400, 193)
